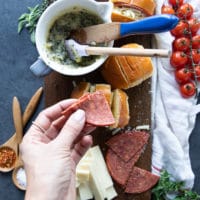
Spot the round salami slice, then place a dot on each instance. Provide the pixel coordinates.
(118, 169)
(127, 144)
(140, 181)
(96, 107)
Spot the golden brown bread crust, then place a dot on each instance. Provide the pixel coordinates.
(123, 107)
(113, 74)
(126, 13)
(147, 5)
(81, 89)
(127, 71)
(106, 89)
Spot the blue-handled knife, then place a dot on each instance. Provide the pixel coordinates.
(115, 30)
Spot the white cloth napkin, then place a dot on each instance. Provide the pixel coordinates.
(174, 116)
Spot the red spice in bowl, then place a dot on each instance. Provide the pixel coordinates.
(7, 157)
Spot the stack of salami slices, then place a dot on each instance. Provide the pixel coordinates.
(124, 151)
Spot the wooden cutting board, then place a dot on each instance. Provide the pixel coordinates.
(58, 87)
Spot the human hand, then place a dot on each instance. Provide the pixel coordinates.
(51, 149)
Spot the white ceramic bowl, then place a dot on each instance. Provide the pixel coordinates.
(57, 9)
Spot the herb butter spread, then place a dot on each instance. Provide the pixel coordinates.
(60, 30)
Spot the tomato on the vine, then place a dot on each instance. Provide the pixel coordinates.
(196, 56)
(196, 42)
(185, 11)
(188, 89)
(178, 59)
(183, 75)
(196, 73)
(194, 25)
(165, 9)
(181, 29)
(181, 44)
(176, 3)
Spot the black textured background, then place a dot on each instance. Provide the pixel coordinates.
(17, 53)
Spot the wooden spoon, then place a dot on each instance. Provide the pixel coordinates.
(13, 146)
(18, 165)
(26, 116)
(17, 117)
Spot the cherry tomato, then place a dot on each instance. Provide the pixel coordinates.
(185, 11)
(181, 44)
(178, 59)
(188, 89)
(196, 42)
(167, 10)
(176, 3)
(196, 56)
(196, 73)
(183, 75)
(181, 29)
(194, 25)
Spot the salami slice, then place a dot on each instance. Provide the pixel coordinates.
(96, 107)
(140, 181)
(118, 169)
(126, 145)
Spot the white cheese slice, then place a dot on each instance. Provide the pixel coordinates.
(94, 183)
(83, 175)
(111, 193)
(77, 182)
(93, 178)
(85, 192)
(100, 167)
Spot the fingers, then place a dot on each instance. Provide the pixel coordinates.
(55, 127)
(88, 129)
(72, 129)
(81, 148)
(46, 117)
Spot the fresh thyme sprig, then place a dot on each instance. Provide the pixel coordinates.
(166, 186)
(29, 20)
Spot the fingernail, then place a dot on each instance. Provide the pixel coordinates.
(79, 115)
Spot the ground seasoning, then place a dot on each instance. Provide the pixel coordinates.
(7, 157)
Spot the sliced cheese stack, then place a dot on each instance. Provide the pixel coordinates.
(92, 177)
(117, 99)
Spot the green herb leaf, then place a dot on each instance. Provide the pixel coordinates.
(33, 37)
(166, 186)
(21, 25)
(29, 20)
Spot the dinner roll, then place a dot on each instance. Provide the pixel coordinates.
(124, 72)
(80, 89)
(120, 108)
(130, 10)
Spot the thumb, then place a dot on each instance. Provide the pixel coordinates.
(71, 129)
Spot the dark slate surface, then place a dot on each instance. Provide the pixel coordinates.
(16, 55)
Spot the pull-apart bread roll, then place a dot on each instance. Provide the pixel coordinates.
(124, 72)
(106, 89)
(81, 89)
(120, 108)
(131, 10)
(117, 99)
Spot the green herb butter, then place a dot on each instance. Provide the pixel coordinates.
(60, 30)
